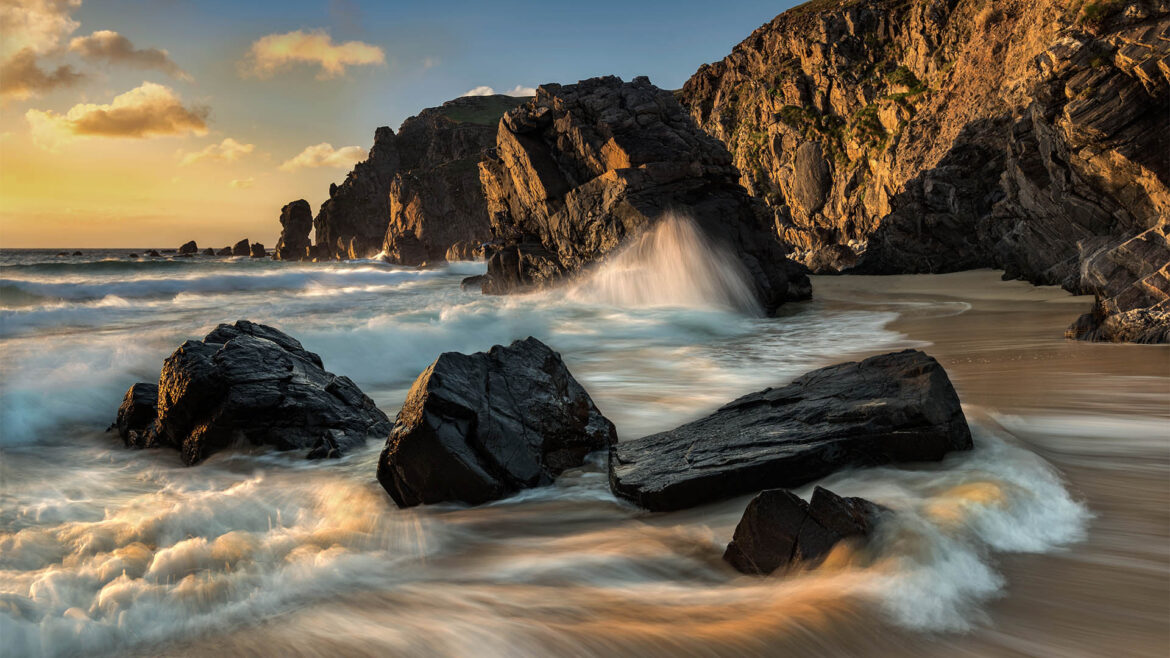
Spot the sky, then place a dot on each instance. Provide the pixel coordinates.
(147, 123)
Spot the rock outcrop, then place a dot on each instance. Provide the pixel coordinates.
(477, 427)
(257, 250)
(189, 248)
(209, 252)
(136, 415)
(779, 530)
(581, 168)
(898, 407)
(296, 220)
(250, 382)
(893, 136)
(418, 192)
(242, 248)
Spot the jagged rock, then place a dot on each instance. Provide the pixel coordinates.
(296, 220)
(209, 252)
(1131, 281)
(226, 251)
(477, 427)
(779, 530)
(955, 135)
(257, 250)
(582, 167)
(897, 407)
(137, 414)
(189, 248)
(242, 248)
(464, 250)
(252, 382)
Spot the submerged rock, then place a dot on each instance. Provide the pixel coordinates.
(779, 530)
(78, 253)
(898, 407)
(254, 383)
(477, 427)
(189, 248)
(242, 248)
(137, 414)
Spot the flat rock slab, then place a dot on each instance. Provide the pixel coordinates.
(477, 427)
(898, 407)
(779, 530)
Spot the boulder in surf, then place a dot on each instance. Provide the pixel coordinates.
(136, 415)
(478, 427)
(898, 407)
(242, 248)
(779, 530)
(189, 247)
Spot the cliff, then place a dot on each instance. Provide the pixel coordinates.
(417, 194)
(891, 136)
(581, 168)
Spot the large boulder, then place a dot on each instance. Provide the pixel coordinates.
(477, 427)
(898, 407)
(242, 248)
(581, 169)
(779, 530)
(296, 220)
(136, 415)
(252, 382)
(257, 250)
(189, 248)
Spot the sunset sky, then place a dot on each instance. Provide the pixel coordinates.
(148, 123)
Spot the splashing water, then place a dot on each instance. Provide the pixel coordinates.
(669, 264)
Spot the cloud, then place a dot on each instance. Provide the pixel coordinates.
(242, 183)
(324, 155)
(518, 90)
(109, 46)
(21, 77)
(276, 52)
(37, 25)
(146, 111)
(229, 150)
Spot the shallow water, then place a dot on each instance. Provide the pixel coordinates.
(1050, 538)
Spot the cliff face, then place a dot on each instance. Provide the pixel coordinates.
(896, 136)
(582, 167)
(418, 193)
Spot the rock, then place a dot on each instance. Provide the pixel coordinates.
(581, 168)
(242, 248)
(296, 220)
(153, 254)
(131, 255)
(254, 383)
(897, 407)
(189, 248)
(226, 251)
(258, 250)
(472, 283)
(478, 427)
(464, 250)
(779, 530)
(62, 253)
(170, 251)
(949, 140)
(78, 253)
(209, 252)
(137, 414)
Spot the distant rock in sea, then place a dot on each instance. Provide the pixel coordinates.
(189, 248)
(257, 250)
(242, 248)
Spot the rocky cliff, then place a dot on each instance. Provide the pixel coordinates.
(581, 168)
(417, 194)
(895, 136)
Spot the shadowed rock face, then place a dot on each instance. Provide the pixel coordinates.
(250, 382)
(581, 168)
(897, 407)
(477, 427)
(136, 415)
(296, 220)
(242, 248)
(778, 530)
(418, 192)
(929, 136)
(189, 248)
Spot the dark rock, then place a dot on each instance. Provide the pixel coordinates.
(169, 251)
(581, 168)
(209, 252)
(779, 530)
(189, 248)
(62, 253)
(242, 248)
(131, 255)
(251, 382)
(78, 253)
(258, 250)
(153, 254)
(472, 283)
(296, 220)
(477, 427)
(137, 414)
(1131, 281)
(226, 251)
(898, 407)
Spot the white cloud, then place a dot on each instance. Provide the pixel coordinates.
(518, 90)
(38, 25)
(148, 110)
(324, 155)
(242, 183)
(229, 150)
(109, 46)
(276, 52)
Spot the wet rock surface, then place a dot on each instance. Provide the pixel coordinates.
(478, 427)
(251, 383)
(898, 407)
(779, 530)
(581, 168)
(296, 221)
(136, 415)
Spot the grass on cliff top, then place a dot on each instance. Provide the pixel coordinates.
(482, 110)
